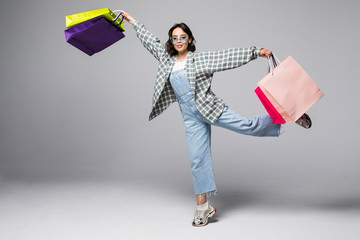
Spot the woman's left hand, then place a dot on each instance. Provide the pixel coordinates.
(265, 53)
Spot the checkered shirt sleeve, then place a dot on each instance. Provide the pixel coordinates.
(222, 60)
(150, 42)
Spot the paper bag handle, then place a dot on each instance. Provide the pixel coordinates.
(122, 19)
(273, 62)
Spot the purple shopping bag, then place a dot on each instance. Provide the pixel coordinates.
(94, 35)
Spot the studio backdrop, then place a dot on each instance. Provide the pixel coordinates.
(66, 116)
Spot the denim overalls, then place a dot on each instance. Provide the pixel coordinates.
(198, 131)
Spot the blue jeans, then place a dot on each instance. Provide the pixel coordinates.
(198, 131)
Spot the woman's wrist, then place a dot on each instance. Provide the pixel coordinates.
(132, 21)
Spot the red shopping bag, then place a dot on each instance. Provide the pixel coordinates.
(289, 89)
(274, 114)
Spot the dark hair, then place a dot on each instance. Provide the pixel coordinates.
(170, 46)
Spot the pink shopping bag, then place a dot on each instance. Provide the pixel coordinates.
(290, 89)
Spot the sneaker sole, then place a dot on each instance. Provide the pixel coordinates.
(211, 214)
(307, 119)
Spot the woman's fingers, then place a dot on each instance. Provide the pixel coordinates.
(128, 17)
(265, 53)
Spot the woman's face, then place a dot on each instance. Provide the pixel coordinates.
(180, 40)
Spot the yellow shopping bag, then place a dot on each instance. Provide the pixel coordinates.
(78, 18)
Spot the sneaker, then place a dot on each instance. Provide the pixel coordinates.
(304, 121)
(201, 217)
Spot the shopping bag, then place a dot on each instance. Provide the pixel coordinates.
(73, 20)
(290, 89)
(274, 114)
(94, 35)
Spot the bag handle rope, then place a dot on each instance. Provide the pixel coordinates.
(273, 61)
(122, 19)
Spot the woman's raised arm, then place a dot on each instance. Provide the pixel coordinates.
(150, 42)
(233, 57)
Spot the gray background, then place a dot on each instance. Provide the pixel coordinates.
(66, 117)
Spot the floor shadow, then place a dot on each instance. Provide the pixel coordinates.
(229, 201)
(340, 204)
(234, 200)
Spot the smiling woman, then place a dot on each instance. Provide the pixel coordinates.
(185, 76)
(181, 40)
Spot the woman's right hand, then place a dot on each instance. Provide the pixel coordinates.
(129, 18)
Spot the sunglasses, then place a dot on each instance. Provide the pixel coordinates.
(176, 39)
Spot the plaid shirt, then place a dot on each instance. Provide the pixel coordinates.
(200, 68)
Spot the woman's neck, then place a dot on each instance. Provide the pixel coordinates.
(182, 56)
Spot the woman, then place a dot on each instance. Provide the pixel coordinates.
(185, 76)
